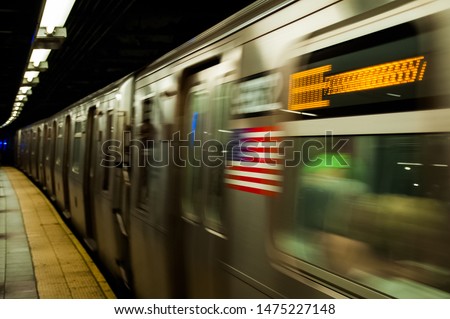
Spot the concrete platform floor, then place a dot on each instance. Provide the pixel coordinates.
(39, 256)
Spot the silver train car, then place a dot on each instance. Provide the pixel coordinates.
(298, 149)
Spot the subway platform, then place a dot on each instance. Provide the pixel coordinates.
(39, 256)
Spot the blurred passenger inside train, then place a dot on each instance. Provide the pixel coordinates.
(358, 215)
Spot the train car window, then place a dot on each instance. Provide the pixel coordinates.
(76, 154)
(376, 212)
(192, 192)
(392, 70)
(218, 136)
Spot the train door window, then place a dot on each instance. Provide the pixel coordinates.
(45, 144)
(106, 155)
(193, 181)
(33, 138)
(49, 143)
(218, 138)
(59, 144)
(147, 135)
(76, 154)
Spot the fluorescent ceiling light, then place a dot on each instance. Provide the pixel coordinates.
(24, 89)
(39, 55)
(56, 13)
(30, 75)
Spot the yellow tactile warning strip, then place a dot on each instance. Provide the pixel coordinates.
(63, 269)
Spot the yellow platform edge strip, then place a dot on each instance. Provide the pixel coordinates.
(13, 174)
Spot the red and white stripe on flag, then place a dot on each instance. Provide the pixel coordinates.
(255, 162)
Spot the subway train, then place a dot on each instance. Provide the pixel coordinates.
(298, 149)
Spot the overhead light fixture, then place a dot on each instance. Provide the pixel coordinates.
(52, 41)
(30, 75)
(50, 35)
(39, 55)
(40, 67)
(25, 90)
(55, 14)
(33, 82)
(18, 104)
(50, 30)
(21, 98)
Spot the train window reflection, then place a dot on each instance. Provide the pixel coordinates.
(377, 212)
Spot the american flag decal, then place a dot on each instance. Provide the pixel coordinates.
(254, 161)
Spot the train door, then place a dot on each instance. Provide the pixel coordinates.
(154, 267)
(46, 156)
(37, 155)
(27, 152)
(34, 155)
(102, 170)
(205, 132)
(58, 168)
(30, 152)
(52, 159)
(42, 136)
(65, 166)
(117, 185)
(120, 201)
(49, 150)
(89, 174)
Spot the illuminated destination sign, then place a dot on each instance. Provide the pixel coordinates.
(309, 89)
(256, 94)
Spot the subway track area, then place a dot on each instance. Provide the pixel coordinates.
(39, 255)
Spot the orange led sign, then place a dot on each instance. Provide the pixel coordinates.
(307, 89)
